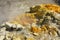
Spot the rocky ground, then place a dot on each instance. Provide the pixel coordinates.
(42, 22)
(33, 25)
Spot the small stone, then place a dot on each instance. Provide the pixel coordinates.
(9, 24)
(36, 34)
(2, 37)
(18, 37)
(30, 38)
(3, 29)
(20, 26)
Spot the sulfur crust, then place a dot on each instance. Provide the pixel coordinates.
(47, 7)
(29, 18)
(53, 7)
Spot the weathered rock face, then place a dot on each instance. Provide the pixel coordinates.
(42, 22)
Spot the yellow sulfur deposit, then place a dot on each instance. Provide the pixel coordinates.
(35, 29)
(52, 7)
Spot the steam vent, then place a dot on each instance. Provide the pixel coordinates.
(42, 22)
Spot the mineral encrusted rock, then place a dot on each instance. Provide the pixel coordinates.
(42, 22)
